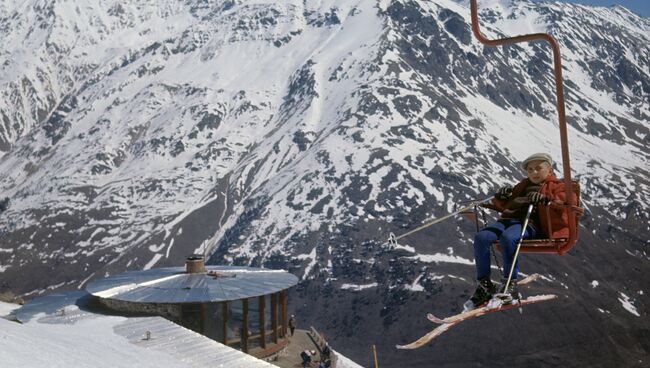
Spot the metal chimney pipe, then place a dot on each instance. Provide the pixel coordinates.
(195, 264)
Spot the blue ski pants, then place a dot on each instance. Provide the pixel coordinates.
(507, 232)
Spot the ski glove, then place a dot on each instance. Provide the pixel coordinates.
(503, 193)
(537, 197)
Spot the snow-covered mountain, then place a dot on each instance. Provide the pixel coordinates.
(298, 134)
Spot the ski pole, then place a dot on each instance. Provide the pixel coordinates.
(392, 239)
(514, 260)
(374, 352)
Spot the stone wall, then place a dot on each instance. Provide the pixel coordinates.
(170, 311)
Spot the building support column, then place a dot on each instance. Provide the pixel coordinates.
(204, 328)
(262, 310)
(224, 328)
(244, 335)
(274, 316)
(283, 301)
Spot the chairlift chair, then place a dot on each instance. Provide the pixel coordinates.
(572, 208)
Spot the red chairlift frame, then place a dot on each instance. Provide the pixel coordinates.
(557, 245)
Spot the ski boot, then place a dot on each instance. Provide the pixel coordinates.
(509, 295)
(484, 291)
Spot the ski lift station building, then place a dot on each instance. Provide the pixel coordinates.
(242, 307)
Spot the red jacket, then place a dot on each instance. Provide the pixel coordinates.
(553, 189)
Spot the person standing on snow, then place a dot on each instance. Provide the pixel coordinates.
(539, 188)
(292, 324)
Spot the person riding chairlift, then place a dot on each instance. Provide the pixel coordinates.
(540, 187)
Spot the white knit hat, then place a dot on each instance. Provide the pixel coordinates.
(537, 157)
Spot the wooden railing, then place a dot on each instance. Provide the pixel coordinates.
(319, 340)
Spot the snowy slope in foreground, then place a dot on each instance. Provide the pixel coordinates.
(58, 334)
(77, 338)
(6, 308)
(89, 344)
(344, 362)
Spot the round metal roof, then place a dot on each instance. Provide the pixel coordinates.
(174, 285)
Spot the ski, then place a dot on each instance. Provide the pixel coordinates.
(492, 306)
(446, 323)
(528, 279)
(525, 281)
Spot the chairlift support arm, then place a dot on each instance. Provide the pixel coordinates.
(561, 111)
